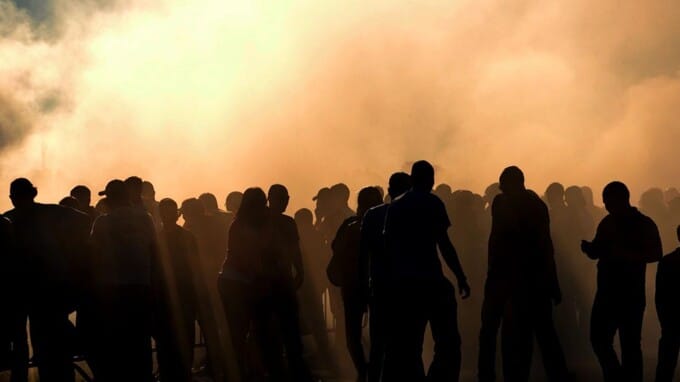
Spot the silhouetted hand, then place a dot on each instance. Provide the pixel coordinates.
(464, 289)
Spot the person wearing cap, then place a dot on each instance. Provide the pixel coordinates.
(125, 247)
(49, 241)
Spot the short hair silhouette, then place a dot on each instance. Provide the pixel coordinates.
(22, 188)
(616, 197)
(69, 201)
(233, 201)
(368, 198)
(511, 179)
(148, 190)
(400, 182)
(422, 175)
(341, 191)
(81, 192)
(134, 186)
(168, 210)
(209, 201)
(278, 198)
(304, 217)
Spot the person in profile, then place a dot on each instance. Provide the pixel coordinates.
(416, 228)
(150, 203)
(283, 268)
(47, 238)
(668, 311)
(175, 296)
(125, 247)
(625, 242)
(374, 254)
(346, 270)
(84, 197)
(521, 285)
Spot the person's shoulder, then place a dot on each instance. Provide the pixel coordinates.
(376, 212)
(10, 214)
(671, 260)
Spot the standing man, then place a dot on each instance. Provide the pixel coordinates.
(521, 285)
(124, 249)
(625, 242)
(416, 228)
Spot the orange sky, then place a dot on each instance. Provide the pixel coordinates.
(214, 95)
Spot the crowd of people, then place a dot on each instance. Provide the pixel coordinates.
(257, 282)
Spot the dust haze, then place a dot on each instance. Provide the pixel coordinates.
(214, 95)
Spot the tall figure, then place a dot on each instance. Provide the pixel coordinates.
(625, 242)
(416, 228)
(374, 254)
(124, 249)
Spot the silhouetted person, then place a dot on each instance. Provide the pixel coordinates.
(49, 239)
(625, 242)
(69, 202)
(84, 197)
(210, 247)
(521, 285)
(150, 203)
(347, 272)
(374, 254)
(652, 204)
(668, 310)
(597, 213)
(134, 186)
(283, 267)
(416, 227)
(125, 247)
(175, 296)
(242, 284)
(315, 257)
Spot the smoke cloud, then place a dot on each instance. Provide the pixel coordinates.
(220, 95)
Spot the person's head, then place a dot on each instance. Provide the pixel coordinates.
(588, 196)
(192, 210)
(443, 191)
(652, 201)
(574, 197)
(233, 201)
(304, 218)
(422, 176)
(168, 211)
(278, 198)
(70, 202)
(82, 194)
(209, 202)
(22, 193)
(400, 183)
(616, 197)
(116, 193)
(102, 206)
(148, 191)
(134, 187)
(340, 194)
(253, 210)
(511, 180)
(554, 195)
(368, 198)
(323, 201)
(491, 191)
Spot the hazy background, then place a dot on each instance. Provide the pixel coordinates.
(216, 95)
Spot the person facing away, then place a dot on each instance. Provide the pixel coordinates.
(150, 203)
(284, 271)
(668, 311)
(242, 283)
(134, 186)
(49, 239)
(124, 249)
(373, 253)
(625, 242)
(175, 296)
(521, 285)
(347, 272)
(416, 228)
